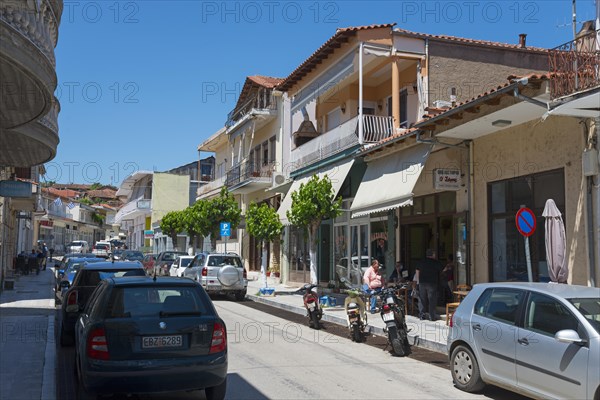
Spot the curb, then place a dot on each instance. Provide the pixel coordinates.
(420, 340)
(49, 372)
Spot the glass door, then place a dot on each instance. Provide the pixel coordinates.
(461, 246)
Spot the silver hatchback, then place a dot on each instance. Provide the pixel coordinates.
(219, 273)
(538, 339)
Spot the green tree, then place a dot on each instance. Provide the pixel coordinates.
(263, 223)
(95, 186)
(311, 203)
(171, 224)
(194, 223)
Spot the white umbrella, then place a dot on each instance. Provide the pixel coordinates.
(556, 243)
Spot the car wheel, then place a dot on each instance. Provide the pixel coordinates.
(216, 392)
(65, 338)
(465, 370)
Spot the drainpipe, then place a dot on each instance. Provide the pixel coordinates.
(360, 95)
(593, 205)
(470, 215)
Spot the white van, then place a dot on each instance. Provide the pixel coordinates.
(78, 246)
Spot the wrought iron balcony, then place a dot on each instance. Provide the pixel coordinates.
(262, 102)
(575, 65)
(249, 170)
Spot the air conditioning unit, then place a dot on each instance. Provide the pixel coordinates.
(278, 179)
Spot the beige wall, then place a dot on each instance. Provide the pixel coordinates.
(522, 150)
(170, 192)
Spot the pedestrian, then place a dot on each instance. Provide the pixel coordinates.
(40, 260)
(373, 282)
(51, 253)
(428, 271)
(399, 274)
(44, 254)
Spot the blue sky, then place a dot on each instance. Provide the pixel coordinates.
(142, 83)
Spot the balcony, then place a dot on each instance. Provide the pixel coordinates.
(574, 66)
(135, 208)
(211, 188)
(340, 138)
(249, 176)
(264, 105)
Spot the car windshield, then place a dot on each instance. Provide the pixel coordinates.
(215, 261)
(590, 309)
(74, 244)
(74, 267)
(133, 255)
(93, 277)
(164, 301)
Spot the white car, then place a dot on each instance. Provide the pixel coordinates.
(179, 265)
(78, 246)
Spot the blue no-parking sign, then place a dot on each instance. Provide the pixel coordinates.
(225, 229)
(526, 222)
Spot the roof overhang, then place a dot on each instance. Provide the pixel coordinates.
(214, 142)
(128, 183)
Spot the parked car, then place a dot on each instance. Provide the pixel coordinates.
(179, 265)
(219, 273)
(102, 249)
(538, 339)
(132, 255)
(165, 259)
(89, 275)
(78, 246)
(140, 335)
(60, 267)
(65, 279)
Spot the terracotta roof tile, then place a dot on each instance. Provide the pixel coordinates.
(102, 193)
(341, 35)
(267, 81)
(469, 41)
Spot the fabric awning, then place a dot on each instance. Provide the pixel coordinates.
(337, 174)
(388, 182)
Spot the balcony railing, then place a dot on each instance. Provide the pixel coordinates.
(248, 170)
(575, 65)
(263, 101)
(340, 138)
(210, 186)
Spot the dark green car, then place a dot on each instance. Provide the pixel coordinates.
(145, 335)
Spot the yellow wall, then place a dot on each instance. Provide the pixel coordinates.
(170, 192)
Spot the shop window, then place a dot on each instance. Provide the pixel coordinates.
(507, 247)
(447, 202)
(429, 205)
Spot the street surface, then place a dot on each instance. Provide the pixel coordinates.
(275, 358)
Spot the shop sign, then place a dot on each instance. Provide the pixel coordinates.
(144, 204)
(446, 179)
(149, 234)
(47, 224)
(15, 189)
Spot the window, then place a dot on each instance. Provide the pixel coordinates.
(272, 150)
(507, 249)
(265, 151)
(499, 304)
(547, 316)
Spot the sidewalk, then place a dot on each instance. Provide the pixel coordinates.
(27, 348)
(426, 334)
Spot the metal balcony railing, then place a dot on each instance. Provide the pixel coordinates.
(262, 101)
(247, 170)
(376, 128)
(574, 66)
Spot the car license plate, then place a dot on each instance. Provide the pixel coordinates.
(388, 317)
(311, 306)
(157, 342)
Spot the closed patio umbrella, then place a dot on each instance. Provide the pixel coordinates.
(556, 243)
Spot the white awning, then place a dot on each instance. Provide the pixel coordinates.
(388, 182)
(337, 174)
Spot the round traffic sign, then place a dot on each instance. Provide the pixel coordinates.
(526, 222)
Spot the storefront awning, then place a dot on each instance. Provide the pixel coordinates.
(337, 174)
(388, 182)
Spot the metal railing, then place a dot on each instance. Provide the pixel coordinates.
(376, 128)
(263, 100)
(248, 169)
(575, 65)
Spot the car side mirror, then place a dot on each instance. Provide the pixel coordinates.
(569, 336)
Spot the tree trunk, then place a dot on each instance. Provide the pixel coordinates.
(312, 243)
(263, 263)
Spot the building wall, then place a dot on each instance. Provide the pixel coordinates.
(169, 193)
(522, 150)
(475, 69)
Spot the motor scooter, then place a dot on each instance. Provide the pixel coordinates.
(311, 303)
(392, 313)
(356, 315)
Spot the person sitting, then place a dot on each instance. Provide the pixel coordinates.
(399, 274)
(373, 282)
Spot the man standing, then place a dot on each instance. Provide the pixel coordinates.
(373, 282)
(45, 255)
(428, 271)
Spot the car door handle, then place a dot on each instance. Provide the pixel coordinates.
(476, 327)
(523, 341)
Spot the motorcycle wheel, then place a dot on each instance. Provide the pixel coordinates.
(315, 320)
(356, 333)
(396, 341)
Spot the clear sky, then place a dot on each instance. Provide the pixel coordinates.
(142, 83)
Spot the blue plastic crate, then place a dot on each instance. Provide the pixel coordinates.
(323, 300)
(331, 301)
(267, 291)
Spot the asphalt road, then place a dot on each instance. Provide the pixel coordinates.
(273, 354)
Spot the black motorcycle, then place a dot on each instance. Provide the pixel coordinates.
(392, 313)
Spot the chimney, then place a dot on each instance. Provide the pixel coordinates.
(522, 38)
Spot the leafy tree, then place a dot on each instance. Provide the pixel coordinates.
(263, 223)
(95, 186)
(193, 222)
(311, 203)
(171, 224)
